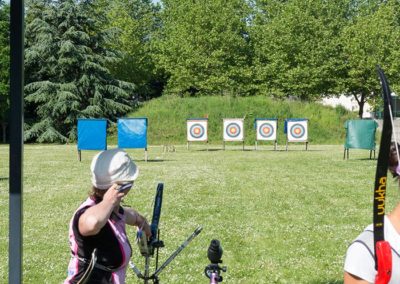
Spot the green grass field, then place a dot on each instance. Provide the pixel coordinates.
(281, 217)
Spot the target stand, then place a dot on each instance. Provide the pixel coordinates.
(197, 130)
(92, 135)
(266, 129)
(296, 130)
(132, 133)
(233, 130)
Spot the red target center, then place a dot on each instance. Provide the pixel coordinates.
(233, 130)
(196, 131)
(266, 130)
(297, 131)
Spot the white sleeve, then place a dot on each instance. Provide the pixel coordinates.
(360, 262)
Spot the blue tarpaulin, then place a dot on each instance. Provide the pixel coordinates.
(132, 132)
(92, 134)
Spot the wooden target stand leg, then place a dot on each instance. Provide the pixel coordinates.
(275, 145)
(243, 146)
(145, 154)
(346, 150)
(370, 153)
(306, 145)
(187, 145)
(79, 155)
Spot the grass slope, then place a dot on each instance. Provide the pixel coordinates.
(281, 217)
(167, 118)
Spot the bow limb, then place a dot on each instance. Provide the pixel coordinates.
(383, 261)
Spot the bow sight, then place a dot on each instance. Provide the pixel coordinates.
(148, 248)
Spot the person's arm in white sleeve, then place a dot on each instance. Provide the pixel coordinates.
(359, 265)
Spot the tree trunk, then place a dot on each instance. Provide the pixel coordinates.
(361, 102)
(361, 108)
(4, 127)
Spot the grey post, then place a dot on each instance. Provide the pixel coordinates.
(16, 139)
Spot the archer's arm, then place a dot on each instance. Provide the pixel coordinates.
(133, 218)
(95, 217)
(352, 279)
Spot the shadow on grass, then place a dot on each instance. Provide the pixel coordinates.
(301, 150)
(332, 281)
(360, 159)
(3, 178)
(153, 160)
(209, 150)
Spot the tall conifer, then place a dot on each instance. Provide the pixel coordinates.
(66, 57)
(4, 61)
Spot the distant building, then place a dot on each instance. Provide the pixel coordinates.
(349, 103)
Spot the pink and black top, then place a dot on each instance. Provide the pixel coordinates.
(113, 250)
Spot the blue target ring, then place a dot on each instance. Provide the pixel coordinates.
(266, 130)
(232, 130)
(197, 130)
(297, 130)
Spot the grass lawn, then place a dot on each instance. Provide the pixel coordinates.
(281, 217)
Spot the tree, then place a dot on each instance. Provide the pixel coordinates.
(203, 46)
(296, 47)
(371, 38)
(135, 22)
(4, 65)
(66, 59)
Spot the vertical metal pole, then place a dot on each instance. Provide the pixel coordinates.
(16, 139)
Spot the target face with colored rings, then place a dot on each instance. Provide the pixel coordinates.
(197, 130)
(233, 130)
(266, 130)
(297, 130)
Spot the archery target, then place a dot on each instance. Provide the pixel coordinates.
(197, 130)
(266, 129)
(297, 131)
(233, 130)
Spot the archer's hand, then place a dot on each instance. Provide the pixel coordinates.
(144, 225)
(146, 229)
(113, 196)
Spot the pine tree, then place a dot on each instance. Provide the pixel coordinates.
(4, 61)
(66, 57)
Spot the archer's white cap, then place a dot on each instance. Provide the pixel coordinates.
(112, 166)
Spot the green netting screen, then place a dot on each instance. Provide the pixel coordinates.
(360, 134)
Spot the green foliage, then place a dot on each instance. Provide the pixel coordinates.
(167, 117)
(281, 217)
(135, 22)
(368, 40)
(77, 51)
(4, 60)
(296, 47)
(66, 74)
(203, 46)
